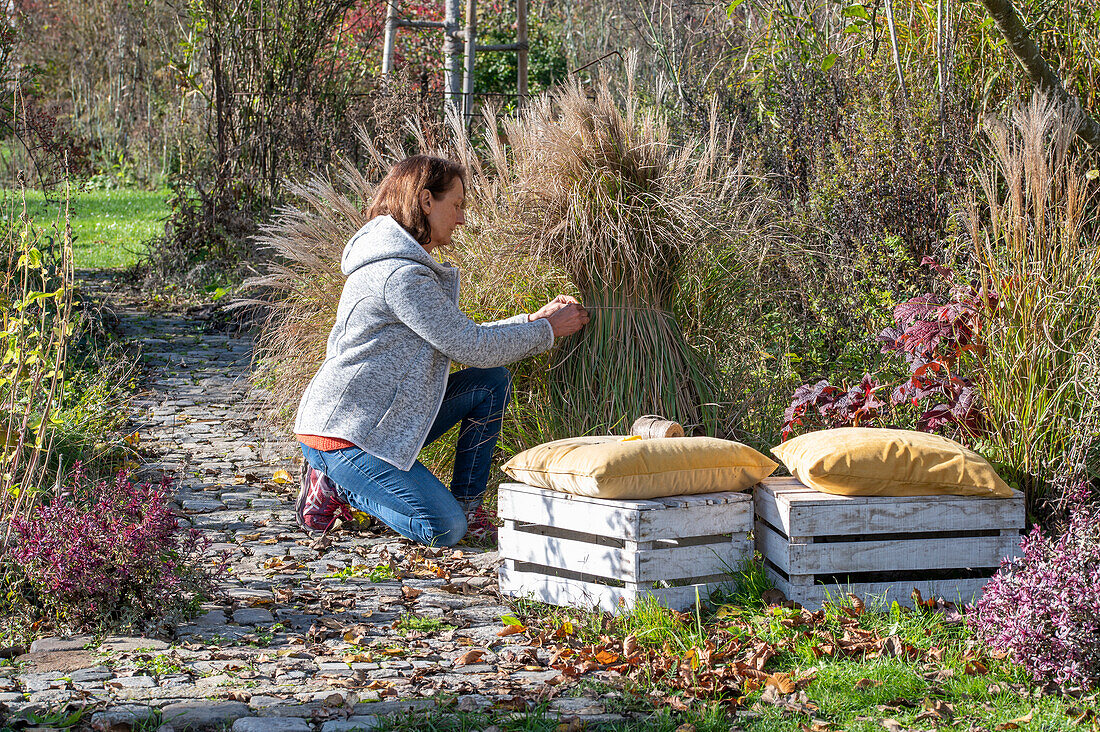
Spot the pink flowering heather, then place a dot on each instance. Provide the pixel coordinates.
(1043, 608)
(107, 552)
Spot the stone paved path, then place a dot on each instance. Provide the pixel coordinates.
(329, 634)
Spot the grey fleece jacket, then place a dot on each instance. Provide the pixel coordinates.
(398, 326)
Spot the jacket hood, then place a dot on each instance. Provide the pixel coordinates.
(383, 238)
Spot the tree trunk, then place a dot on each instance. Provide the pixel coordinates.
(1042, 76)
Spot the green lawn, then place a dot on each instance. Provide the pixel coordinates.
(110, 227)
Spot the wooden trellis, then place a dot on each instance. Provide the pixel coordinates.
(460, 49)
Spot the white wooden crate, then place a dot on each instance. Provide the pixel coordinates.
(816, 544)
(594, 552)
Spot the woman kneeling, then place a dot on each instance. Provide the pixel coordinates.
(385, 388)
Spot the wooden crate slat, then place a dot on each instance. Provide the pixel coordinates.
(571, 554)
(766, 507)
(881, 517)
(901, 555)
(699, 499)
(562, 591)
(645, 565)
(713, 513)
(819, 514)
(578, 593)
(690, 561)
(773, 546)
(548, 508)
(961, 591)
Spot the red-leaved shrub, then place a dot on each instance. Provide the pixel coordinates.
(106, 552)
(1043, 608)
(932, 337)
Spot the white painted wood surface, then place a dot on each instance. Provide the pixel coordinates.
(959, 591)
(897, 554)
(524, 503)
(662, 518)
(640, 565)
(683, 540)
(784, 502)
(888, 534)
(580, 594)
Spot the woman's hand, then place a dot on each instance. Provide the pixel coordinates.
(568, 319)
(553, 306)
(565, 314)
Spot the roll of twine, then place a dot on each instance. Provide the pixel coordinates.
(653, 425)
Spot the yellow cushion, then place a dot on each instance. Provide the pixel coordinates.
(862, 461)
(613, 467)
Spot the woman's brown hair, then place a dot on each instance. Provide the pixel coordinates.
(398, 194)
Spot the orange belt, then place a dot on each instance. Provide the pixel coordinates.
(324, 444)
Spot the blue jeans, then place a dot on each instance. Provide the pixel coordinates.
(413, 502)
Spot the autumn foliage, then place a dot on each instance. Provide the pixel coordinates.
(933, 337)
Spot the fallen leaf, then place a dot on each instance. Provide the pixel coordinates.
(867, 683)
(411, 593)
(1015, 723)
(806, 677)
(893, 647)
(358, 658)
(901, 703)
(573, 725)
(975, 668)
(356, 634)
(281, 476)
(132, 439)
(937, 709)
(470, 657)
(335, 699)
(606, 657)
(782, 683)
(686, 727)
(892, 725)
(630, 645)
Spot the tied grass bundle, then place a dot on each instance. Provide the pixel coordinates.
(596, 187)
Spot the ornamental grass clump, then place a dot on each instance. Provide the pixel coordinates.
(106, 553)
(594, 184)
(1043, 608)
(1035, 231)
